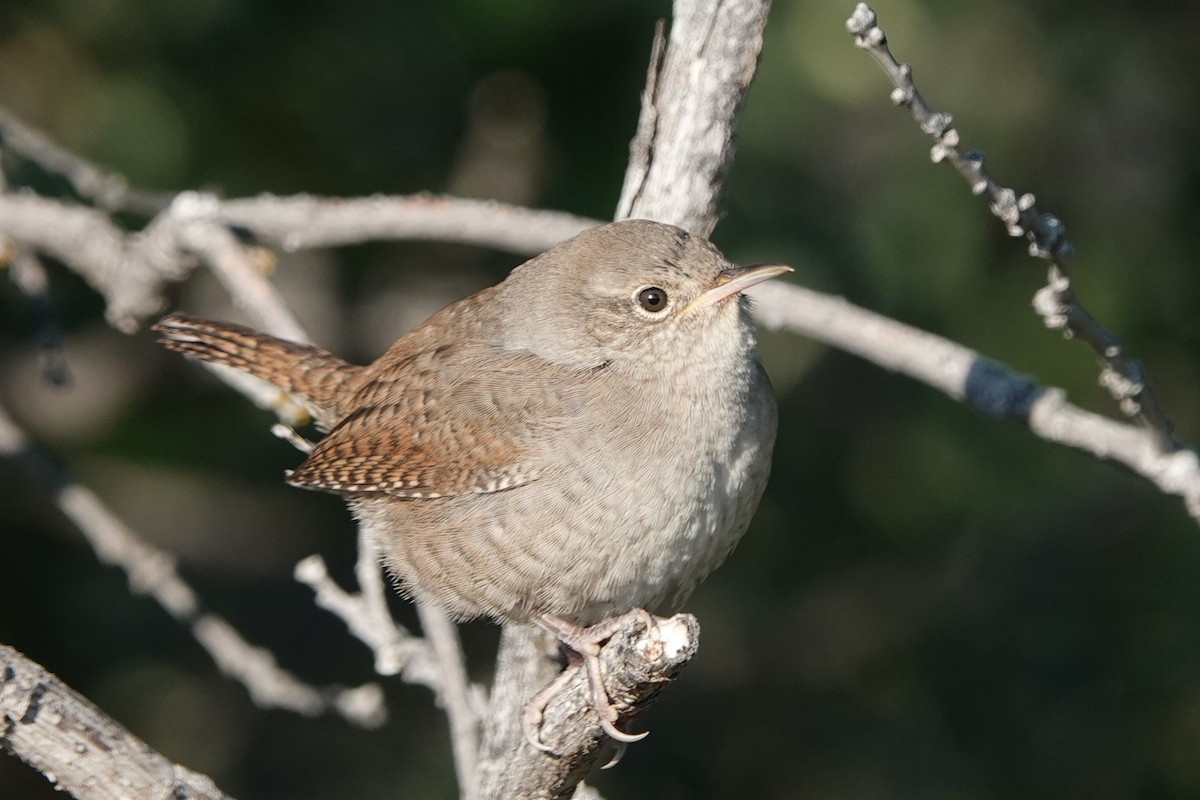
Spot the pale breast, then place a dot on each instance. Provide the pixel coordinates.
(633, 510)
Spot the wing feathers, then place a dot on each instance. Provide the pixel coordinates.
(459, 430)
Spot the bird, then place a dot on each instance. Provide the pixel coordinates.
(587, 439)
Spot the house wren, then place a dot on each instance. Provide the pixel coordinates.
(589, 437)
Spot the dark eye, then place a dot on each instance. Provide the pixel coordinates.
(652, 299)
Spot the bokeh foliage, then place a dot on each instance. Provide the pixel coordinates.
(930, 604)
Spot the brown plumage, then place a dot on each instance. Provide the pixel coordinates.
(588, 437)
(316, 378)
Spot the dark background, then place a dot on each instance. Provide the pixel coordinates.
(930, 604)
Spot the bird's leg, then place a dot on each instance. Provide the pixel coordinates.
(584, 644)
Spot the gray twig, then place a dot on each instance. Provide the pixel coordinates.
(1057, 302)
(462, 703)
(108, 190)
(641, 146)
(435, 661)
(396, 650)
(131, 270)
(196, 215)
(152, 572)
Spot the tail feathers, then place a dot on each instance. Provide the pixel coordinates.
(315, 377)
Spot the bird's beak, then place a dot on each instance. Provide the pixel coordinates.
(734, 280)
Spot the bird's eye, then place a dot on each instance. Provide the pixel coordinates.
(652, 298)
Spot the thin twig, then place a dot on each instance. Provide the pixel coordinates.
(641, 146)
(152, 572)
(1057, 302)
(455, 696)
(373, 593)
(435, 661)
(396, 650)
(108, 190)
(200, 232)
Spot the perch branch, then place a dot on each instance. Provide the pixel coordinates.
(680, 156)
(637, 665)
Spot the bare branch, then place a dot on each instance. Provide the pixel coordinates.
(642, 144)
(201, 233)
(304, 221)
(396, 650)
(981, 383)
(79, 748)
(108, 190)
(690, 108)
(456, 696)
(1057, 302)
(129, 270)
(152, 572)
(436, 661)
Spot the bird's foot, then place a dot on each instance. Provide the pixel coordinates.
(584, 644)
(535, 708)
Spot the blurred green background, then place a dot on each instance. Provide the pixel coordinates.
(930, 604)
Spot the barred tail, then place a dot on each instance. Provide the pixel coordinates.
(315, 377)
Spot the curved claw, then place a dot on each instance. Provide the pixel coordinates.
(619, 735)
(532, 727)
(618, 754)
(585, 643)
